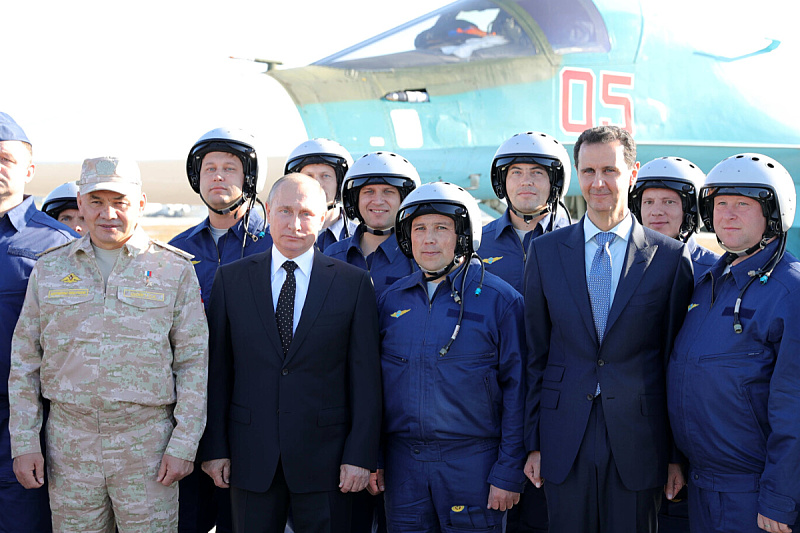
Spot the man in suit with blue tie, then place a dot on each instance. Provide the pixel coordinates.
(604, 299)
(294, 375)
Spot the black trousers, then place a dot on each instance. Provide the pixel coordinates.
(530, 514)
(203, 505)
(266, 512)
(593, 498)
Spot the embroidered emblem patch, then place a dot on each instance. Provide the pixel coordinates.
(398, 314)
(71, 278)
(490, 260)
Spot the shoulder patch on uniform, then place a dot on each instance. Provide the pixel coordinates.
(185, 255)
(490, 260)
(54, 248)
(398, 314)
(71, 278)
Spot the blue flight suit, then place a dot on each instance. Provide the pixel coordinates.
(202, 504)
(453, 423)
(327, 237)
(25, 232)
(702, 258)
(208, 255)
(386, 265)
(673, 517)
(504, 254)
(734, 399)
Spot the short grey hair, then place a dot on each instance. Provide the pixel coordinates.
(297, 178)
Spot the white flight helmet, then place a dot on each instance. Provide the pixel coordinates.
(765, 180)
(758, 177)
(323, 152)
(677, 174)
(441, 198)
(377, 168)
(65, 196)
(233, 141)
(533, 147)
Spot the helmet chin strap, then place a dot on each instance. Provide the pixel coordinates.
(332, 205)
(233, 207)
(734, 254)
(528, 217)
(374, 231)
(429, 275)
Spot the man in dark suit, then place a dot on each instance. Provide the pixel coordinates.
(604, 300)
(294, 375)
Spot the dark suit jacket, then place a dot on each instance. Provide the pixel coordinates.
(566, 363)
(318, 408)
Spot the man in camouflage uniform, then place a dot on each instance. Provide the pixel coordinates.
(113, 333)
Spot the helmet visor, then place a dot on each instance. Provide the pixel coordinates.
(432, 208)
(546, 162)
(664, 183)
(756, 193)
(394, 181)
(315, 159)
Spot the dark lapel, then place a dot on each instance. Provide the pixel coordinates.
(322, 274)
(260, 272)
(572, 251)
(637, 259)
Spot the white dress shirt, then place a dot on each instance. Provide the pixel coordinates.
(617, 248)
(302, 275)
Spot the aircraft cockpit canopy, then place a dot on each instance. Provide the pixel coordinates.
(472, 30)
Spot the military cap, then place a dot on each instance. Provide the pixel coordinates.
(10, 130)
(110, 174)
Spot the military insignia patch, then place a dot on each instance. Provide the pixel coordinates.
(71, 278)
(398, 314)
(195, 262)
(691, 306)
(490, 260)
(457, 508)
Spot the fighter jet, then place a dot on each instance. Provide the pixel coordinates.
(446, 89)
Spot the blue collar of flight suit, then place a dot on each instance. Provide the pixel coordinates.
(389, 247)
(21, 214)
(740, 271)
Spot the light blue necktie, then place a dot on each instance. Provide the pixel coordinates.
(599, 284)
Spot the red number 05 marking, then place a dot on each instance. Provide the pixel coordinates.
(578, 94)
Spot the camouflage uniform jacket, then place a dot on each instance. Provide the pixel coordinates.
(143, 340)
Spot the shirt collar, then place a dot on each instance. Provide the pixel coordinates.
(337, 227)
(506, 224)
(389, 247)
(621, 230)
(256, 221)
(304, 261)
(20, 214)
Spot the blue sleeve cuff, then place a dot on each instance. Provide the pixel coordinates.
(511, 479)
(777, 507)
